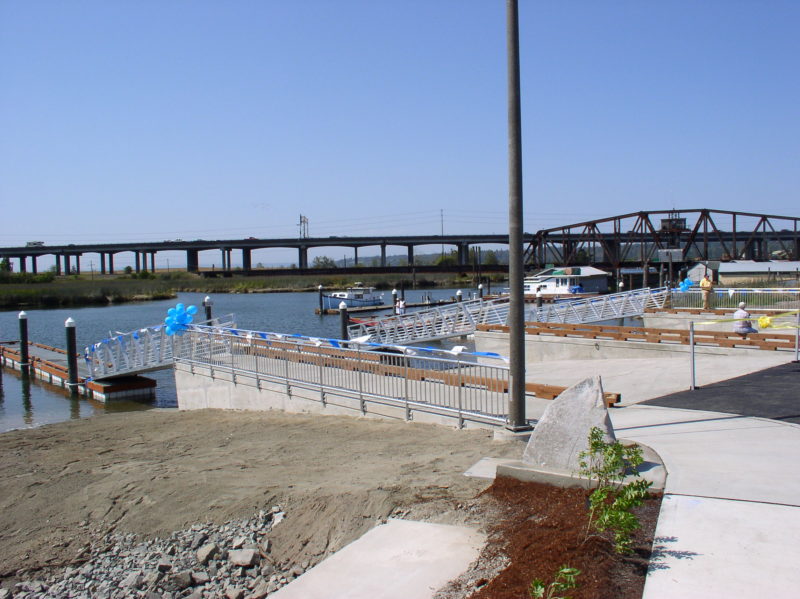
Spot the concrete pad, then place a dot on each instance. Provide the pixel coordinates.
(401, 559)
(719, 455)
(713, 548)
(487, 467)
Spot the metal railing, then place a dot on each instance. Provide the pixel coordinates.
(435, 323)
(729, 297)
(463, 318)
(457, 388)
(601, 307)
(138, 351)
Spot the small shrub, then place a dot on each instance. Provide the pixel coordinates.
(566, 579)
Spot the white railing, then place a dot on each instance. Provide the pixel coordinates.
(137, 351)
(462, 318)
(457, 387)
(778, 298)
(439, 322)
(601, 307)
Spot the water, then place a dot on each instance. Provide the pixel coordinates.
(26, 404)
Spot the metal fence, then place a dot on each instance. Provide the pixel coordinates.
(600, 308)
(457, 388)
(777, 298)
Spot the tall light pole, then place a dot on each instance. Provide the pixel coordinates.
(516, 274)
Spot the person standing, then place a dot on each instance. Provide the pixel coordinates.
(707, 287)
(743, 325)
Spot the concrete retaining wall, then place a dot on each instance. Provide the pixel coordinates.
(200, 387)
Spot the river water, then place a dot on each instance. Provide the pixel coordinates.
(32, 403)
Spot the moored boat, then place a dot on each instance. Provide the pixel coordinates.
(356, 296)
(566, 283)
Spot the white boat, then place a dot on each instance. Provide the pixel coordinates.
(354, 297)
(566, 283)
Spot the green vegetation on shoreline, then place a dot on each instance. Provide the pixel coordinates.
(23, 290)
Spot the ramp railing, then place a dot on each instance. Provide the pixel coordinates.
(601, 307)
(435, 323)
(142, 350)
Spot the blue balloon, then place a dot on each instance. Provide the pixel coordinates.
(191, 310)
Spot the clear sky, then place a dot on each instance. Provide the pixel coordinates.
(152, 119)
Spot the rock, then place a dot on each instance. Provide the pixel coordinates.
(562, 432)
(243, 557)
(239, 542)
(180, 580)
(206, 552)
(267, 569)
(5, 594)
(196, 594)
(164, 565)
(277, 517)
(132, 581)
(265, 546)
(198, 540)
(199, 578)
(234, 593)
(261, 591)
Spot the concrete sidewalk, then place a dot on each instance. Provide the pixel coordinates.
(730, 520)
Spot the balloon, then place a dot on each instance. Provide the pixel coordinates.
(172, 312)
(191, 310)
(180, 307)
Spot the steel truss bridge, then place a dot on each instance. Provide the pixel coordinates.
(634, 239)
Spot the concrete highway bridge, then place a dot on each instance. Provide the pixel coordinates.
(635, 239)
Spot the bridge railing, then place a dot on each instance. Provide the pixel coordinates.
(141, 350)
(729, 297)
(459, 388)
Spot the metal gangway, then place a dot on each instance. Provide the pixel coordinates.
(463, 318)
(142, 350)
(601, 307)
(440, 322)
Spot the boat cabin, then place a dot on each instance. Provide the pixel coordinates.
(571, 280)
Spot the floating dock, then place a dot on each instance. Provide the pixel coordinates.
(50, 365)
(387, 307)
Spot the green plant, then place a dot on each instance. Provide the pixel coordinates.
(611, 503)
(566, 578)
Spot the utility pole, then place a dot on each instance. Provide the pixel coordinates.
(516, 316)
(303, 227)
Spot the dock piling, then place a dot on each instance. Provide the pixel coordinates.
(344, 321)
(321, 308)
(23, 342)
(207, 303)
(72, 356)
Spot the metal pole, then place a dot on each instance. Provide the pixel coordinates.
(23, 342)
(72, 356)
(516, 273)
(458, 296)
(480, 290)
(394, 301)
(321, 310)
(344, 321)
(692, 387)
(797, 338)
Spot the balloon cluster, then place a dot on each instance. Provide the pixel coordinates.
(685, 284)
(178, 319)
(764, 322)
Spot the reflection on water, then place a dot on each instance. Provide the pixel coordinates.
(35, 403)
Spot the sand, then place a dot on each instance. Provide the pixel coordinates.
(151, 473)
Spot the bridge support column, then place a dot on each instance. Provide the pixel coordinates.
(137, 260)
(355, 251)
(33, 265)
(111, 264)
(67, 269)
(411, 255)
(191, 261)
(22, 267)
(383, 255)
(102, 263)
(463, 254)
(77, 264)
(246, 259)
(152, 262)
(229, 261)
(302, 259)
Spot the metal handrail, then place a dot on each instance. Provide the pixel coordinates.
(142, 350)
(729, 297)
(467, 391)
(601, 307)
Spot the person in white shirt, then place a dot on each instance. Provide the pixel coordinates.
(743, 325)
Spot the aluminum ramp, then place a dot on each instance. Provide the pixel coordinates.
(464, 317)
(143, 350)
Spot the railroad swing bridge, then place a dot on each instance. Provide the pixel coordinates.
(633, 239)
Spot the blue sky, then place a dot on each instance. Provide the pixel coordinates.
(151, 120)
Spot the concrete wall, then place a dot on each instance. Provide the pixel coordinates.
(681, 321)
(200, 388)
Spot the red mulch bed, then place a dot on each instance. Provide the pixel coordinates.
(542, 528)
